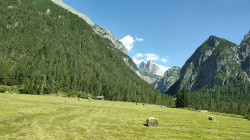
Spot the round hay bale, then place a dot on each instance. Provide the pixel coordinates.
(143, 104)
(66, 101)
(136, 103)
(212, 118)
(152, 122)
(79, 99)
(161, 106)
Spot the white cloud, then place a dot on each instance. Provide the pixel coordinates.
(139, 39)
(151, 56)
(138, 55)
(128, 42)
(147, 56)
(164, 60)
(138, 61)
(163, 68)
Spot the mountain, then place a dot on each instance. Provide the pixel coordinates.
(150, 72)
(217, 62)
(104, 33)
(150, 67)
(45, 49)
(169, 78)
(149, 78)
(98, 30)
(244, 54)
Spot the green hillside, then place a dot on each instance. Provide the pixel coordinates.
(47, 117)
(47, 49)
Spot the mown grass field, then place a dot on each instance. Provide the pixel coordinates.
(48, 117)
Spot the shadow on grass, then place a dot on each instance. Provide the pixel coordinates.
(145, 124)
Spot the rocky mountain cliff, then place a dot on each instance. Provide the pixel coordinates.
(151, 68)
(150, 72)
(169, 78)
(216, 62)
(244, 54)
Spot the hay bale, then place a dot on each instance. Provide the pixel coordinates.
(66, 101)
(136, 103)
(212, 118)
(89, 98)
(143, 104)
(161, 106)
(152, 122)
(79, 99)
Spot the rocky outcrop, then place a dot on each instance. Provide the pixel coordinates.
(150, 72)
(149, 78)
(244, 54)
(216, 62)
(150, 68)
(169, 78)
(98, 30)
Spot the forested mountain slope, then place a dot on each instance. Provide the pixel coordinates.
(48, 49)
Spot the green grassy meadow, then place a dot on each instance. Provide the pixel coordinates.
(49, 117)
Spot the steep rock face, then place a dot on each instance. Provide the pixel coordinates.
(149, 78)
(215, 62)
(244, 54)
(169, 78)
(150, 72)
(98, 30)
(150, 67)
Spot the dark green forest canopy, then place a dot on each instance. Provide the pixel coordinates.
(46, 48)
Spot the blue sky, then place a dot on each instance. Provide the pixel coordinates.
(167, 31)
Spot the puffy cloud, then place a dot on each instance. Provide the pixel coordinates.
(164, 60)
(163, 68)
(139, 39)
(139, 57)
(128, 42)
(151, 56)
(146, 56)
(138, 61)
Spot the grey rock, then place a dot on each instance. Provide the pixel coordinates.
(213, 63)
(151, 68)
(150, 72)
(169, 78)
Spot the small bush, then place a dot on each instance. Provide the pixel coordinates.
(247, 117)
(2, 90)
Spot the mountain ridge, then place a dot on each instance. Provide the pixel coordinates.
(215, 62)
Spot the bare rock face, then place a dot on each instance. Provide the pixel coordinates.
(98, 30)
(244, 54)
(151, 68)
(150, 72)
(152, 122)
(169, 78)
(215, 62)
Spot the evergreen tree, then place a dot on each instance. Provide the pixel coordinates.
(181, 99)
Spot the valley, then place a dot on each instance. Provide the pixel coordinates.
(49, 117)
